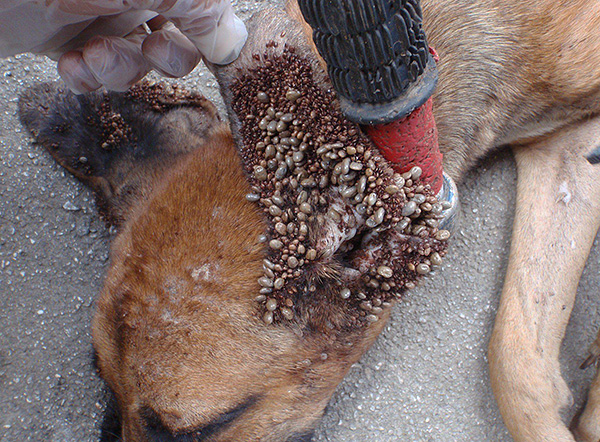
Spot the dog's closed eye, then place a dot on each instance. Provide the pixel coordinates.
(302, 437)
(157, 432)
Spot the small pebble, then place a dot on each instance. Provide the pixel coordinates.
(68, 205)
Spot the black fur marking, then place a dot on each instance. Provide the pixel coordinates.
(110, 429)
(79, 126)
(117, 143)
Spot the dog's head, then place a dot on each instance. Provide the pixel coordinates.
(244, 288)
(177, 331)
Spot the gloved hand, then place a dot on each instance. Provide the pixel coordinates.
(106, 42)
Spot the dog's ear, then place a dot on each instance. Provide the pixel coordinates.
(286, 29)
(117, 143)
(337, 232)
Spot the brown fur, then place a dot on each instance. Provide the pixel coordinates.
(528, 74)
(175, 331)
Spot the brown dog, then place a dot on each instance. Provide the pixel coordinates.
(176, 330)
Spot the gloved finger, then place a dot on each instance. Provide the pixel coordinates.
(76, 74)
(211, 26)
(90, 7)
(170, 52)
(107, 7)
(115, 62)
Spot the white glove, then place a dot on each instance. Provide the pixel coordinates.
(103, 42)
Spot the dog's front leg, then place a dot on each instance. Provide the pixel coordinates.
(556, 219)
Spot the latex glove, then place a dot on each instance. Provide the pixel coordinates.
(103, 42)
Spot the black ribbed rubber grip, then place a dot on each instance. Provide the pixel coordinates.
(374, 49)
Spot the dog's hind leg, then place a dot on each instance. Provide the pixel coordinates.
(119, 144)
(556, 219)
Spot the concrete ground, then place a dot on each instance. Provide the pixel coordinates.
(425, 379)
